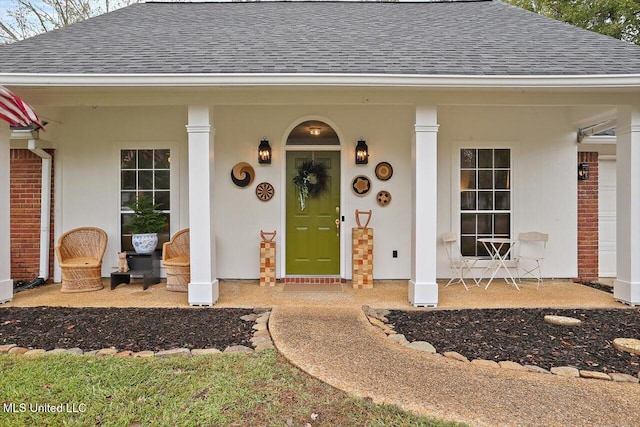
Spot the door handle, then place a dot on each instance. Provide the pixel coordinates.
(337, 222)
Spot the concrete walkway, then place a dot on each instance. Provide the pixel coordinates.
(340, 347)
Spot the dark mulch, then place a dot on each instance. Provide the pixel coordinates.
(134, 329)
(521, 335)
(598, 286)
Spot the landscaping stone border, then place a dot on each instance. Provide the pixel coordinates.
(377, 318)
(261, 341)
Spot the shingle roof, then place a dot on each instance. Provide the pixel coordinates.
(434, 38)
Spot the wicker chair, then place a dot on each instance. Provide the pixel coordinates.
(175, 257)
(79, 252)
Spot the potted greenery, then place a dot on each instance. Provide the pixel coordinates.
(147, 222)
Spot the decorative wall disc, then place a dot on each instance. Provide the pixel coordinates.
(383, 198)
(242, 174)
(361, 185)
(384, 171)
(264, 191)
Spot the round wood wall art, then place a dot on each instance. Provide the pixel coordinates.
(361, 185)
(242, 174)
(383, 198)
(384, 171)
(265, 191)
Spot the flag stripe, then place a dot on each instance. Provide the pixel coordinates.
(15, 111)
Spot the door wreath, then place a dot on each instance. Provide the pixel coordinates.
(311, 181)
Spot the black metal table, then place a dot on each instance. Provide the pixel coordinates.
(141, 266)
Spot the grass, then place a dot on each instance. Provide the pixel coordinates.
(259, 389)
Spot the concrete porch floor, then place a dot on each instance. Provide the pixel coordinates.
(385, 294)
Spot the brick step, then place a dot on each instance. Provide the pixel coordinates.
(313, 280)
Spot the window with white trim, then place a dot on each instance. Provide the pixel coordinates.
(145, 172)
(485, 197)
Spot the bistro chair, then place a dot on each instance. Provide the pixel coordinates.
(531, 249)
(460, 264)
(79, 252)
(175, 257)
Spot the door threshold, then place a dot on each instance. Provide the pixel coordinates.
(313, 279)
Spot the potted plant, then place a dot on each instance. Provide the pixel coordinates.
(147, 222)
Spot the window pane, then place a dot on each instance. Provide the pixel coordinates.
(503, 158)
(468, 223)
(145, 180)
(161, 180)
(167, 226)
(163, 200)
(468, 200)
(485, 159)
(485, 200)
(162, 159)
(467, 180)
(127, 159)
(484, 224)
(468, 245)
(467, 158)
(127, 198)
(126, 219)
(502, 225)
(128, 180)
(502, 179)
(485, 179)
(145, 159)
(482, 250)
(148, 194)
(503, 200)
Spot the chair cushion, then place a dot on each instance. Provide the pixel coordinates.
(180, 261)
(80, 262)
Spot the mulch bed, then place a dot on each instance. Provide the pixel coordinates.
(518, 335)
(134, 329)
(521, 335)
(598, 286)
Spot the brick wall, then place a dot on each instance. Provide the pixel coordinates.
(26, 174)
(588, 220)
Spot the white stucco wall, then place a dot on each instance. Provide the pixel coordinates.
(387, 131)
(544, 182)
(541, 139)
(88, 164)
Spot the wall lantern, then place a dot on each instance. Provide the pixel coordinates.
(362, 153)
(264, 152)
(583, 171)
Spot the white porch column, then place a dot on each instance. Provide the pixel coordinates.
(423, 289)
(6, 284)
(627, 285)
(203, 288)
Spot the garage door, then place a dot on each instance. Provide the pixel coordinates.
(607, 217)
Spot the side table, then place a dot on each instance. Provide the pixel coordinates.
(141, 266)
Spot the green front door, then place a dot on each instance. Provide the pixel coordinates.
(313, 239)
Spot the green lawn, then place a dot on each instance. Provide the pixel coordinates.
(259, 389)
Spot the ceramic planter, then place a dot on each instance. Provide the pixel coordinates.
(144, 243)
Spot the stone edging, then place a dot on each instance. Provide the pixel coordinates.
(261, 341)
(377, 318)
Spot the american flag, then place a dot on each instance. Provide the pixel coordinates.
(17, 112)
